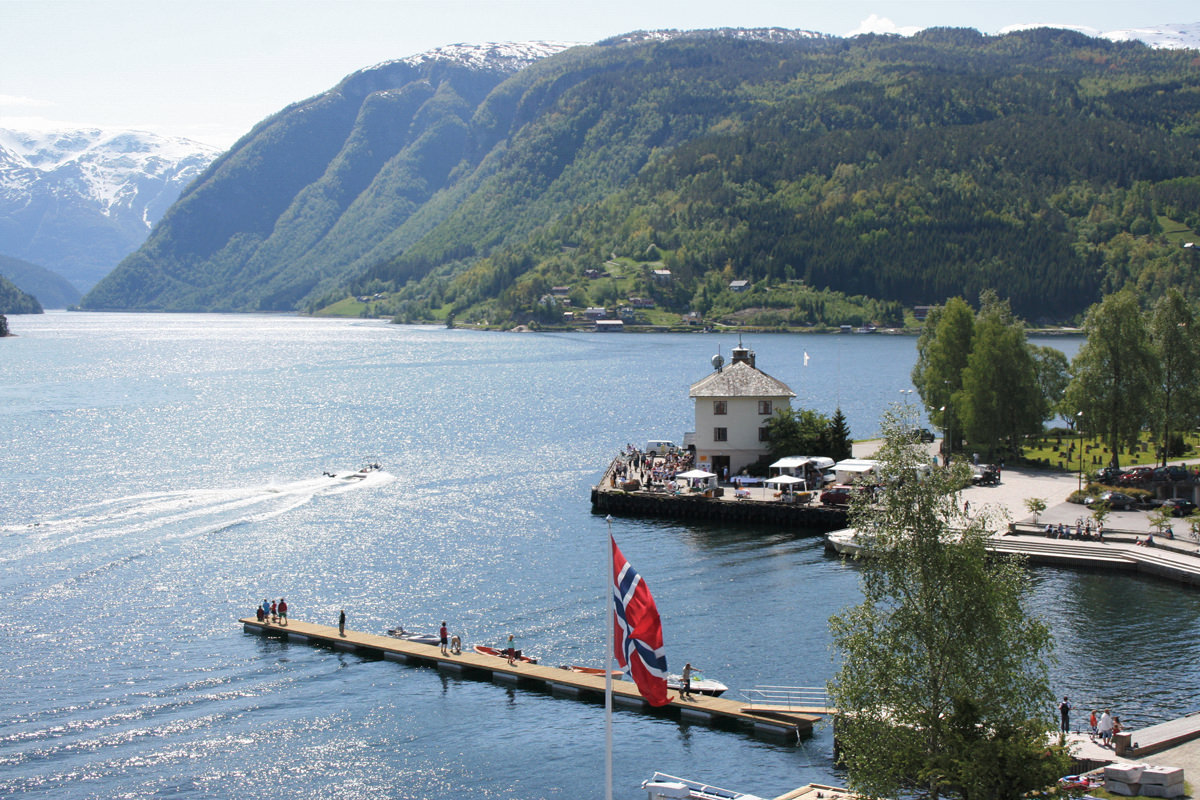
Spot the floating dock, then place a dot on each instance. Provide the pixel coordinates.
(562, 682)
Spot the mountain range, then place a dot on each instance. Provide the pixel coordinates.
(469, 181)
(76, 202)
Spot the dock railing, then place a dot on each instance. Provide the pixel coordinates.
(789, 698)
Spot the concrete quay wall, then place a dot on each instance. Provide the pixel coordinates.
(716, 509)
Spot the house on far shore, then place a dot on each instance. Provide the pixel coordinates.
(739, 286)
(733, 405)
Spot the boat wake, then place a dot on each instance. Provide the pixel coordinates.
(185, 513)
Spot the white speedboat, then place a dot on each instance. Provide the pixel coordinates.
(411, 636)
(664, 787)
(699, 685)
(844, 541)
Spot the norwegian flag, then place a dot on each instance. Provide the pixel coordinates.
(639, 641)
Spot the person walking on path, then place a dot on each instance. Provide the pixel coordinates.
(342, 623)
(1106, 728)
(282, 611)
(1064, 709)
(444, 637)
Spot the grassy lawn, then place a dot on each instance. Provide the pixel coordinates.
(1177, 232)
(1063, 452)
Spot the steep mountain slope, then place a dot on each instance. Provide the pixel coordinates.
(319, 188)
(1041, 163)
(51, 289)
(79, 201)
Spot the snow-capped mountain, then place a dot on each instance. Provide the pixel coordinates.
(494, 56)
(78, 201)
(1168, 37)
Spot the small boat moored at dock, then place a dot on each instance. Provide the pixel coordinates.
(844, 542)
(484, 650)
(411, 636)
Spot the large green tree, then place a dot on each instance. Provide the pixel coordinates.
(1115, 372)
(1174, 339)
(1053, 375)
(1001, 398)
(943, 350)
(943, 686)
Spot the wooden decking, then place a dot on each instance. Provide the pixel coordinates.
(790, 722)
(1173, 562)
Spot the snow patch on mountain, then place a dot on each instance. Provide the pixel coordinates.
(1162, 37)
(492, 56)
(755, 34)
(118, 171)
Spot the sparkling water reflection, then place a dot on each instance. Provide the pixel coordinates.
(164, 473)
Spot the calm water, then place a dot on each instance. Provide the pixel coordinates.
(161, 474)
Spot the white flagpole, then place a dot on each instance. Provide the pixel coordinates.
(608, 659)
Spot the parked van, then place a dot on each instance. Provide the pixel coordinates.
(659, 447)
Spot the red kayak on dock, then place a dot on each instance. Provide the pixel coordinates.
(483, 649)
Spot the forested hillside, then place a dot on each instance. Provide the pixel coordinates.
(51, 289)
(843, 179)
(14, 301)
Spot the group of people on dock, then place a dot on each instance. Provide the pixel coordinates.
(1103, 726)
(1081, 530)
(659, 468)
(273, 611)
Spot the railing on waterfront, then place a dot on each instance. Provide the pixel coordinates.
(790, 697)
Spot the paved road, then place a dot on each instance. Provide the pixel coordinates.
(1020, 484)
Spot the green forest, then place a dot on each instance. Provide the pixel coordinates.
(845, 181)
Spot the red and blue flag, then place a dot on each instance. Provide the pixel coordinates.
(638, 629)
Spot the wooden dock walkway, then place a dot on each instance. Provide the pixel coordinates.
(562, 682)
(1172, 562)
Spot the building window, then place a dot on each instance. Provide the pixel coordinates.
(762, 435)
(720, 407)
(764, 407)
(720, 434)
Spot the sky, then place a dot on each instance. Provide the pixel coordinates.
(209, 70)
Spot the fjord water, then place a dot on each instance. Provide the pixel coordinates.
(163, 473)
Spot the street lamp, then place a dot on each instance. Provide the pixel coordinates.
(1079, 425)
(907, 393)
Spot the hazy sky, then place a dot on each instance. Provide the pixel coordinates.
(210, 69)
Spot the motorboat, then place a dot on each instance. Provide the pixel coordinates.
(412, 636)
(362, 472)
(844, 542)
(699, 685)
(483, 649)
(668, 787)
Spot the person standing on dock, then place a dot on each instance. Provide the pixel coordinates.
(282, 611)
(1064, 709)
(685, 685)
(510, 649)
(444, 636)
(1105, 727)
(342, 623)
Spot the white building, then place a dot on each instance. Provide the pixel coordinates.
(733, 405)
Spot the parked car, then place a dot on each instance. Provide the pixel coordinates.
(1179, 507)
(1136, 476)
(1109, 475)
(1173, 473)
(1117, 501)
(985, 475)
(921, 435)
(840, 494)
